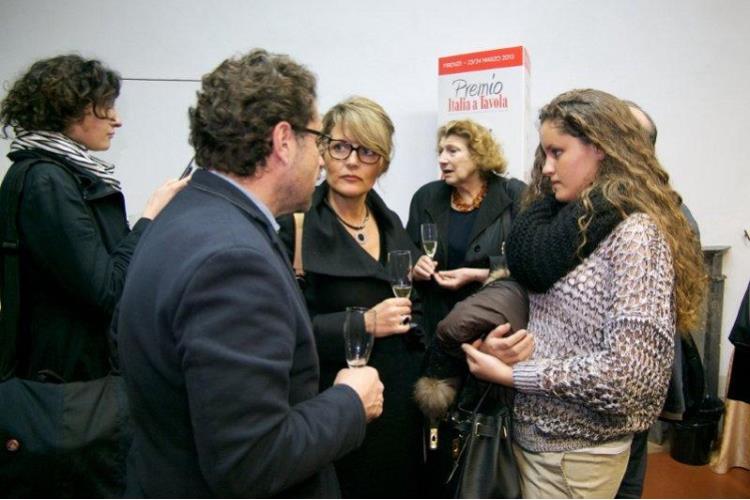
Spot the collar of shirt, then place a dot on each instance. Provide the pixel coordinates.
(263, 208)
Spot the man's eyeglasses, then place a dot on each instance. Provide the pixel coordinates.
(321, 139)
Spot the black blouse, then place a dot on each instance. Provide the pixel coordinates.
(460, 225)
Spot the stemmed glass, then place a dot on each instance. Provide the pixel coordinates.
(399, 272)
(429, 238)
(357, 340)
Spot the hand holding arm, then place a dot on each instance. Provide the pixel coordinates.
(487, 367)
(510, 349)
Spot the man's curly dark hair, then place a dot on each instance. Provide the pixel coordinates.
(55, 92)
(239, 104)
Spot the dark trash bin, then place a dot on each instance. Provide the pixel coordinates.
(694, 436)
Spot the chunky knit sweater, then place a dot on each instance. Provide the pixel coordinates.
(604, 344)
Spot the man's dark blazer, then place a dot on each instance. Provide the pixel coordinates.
(219, 359)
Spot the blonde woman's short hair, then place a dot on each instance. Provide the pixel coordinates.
(367, 123)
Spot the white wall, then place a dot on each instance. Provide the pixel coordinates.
(685, 61)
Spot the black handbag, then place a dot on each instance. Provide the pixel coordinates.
(58, 439)
(484, 465)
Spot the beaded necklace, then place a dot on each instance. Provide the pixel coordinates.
(460, 206)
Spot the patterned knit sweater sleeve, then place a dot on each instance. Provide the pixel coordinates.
(604, 334)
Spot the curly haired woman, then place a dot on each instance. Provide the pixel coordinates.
(467, 205)
(473, 205)
(75, 240)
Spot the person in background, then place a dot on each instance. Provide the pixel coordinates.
(612, 267)
(346, 237)
(635, 473)
(76, 243)
(467, 204)
(645, 120)
(216, 345)
(472, 206)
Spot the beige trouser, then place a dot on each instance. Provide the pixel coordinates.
(573, 474)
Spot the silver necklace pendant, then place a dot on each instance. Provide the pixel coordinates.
(361, 238)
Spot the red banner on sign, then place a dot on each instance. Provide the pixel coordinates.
(477, 61)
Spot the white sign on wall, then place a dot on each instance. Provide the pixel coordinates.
(492, 88)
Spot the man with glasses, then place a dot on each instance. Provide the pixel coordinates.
(216, 345)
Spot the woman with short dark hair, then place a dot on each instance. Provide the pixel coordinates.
(75, 239)
(75, 243)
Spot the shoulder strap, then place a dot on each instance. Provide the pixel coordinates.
(299, 221)
(10, 284)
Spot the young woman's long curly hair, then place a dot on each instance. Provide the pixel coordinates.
(632, 179)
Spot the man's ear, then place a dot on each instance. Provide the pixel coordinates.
(282, 137)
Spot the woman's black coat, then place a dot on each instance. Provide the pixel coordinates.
(75, 250)
(340, 273)
(432, 203)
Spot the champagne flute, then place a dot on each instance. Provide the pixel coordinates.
(399, 272)
(429, 238)
(357, 340)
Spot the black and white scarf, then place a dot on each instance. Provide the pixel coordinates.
(60, 144)
(543, 245)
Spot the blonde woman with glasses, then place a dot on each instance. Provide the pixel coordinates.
(345, 240)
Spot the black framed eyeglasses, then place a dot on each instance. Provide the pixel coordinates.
(320, 136)
(341, 150)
